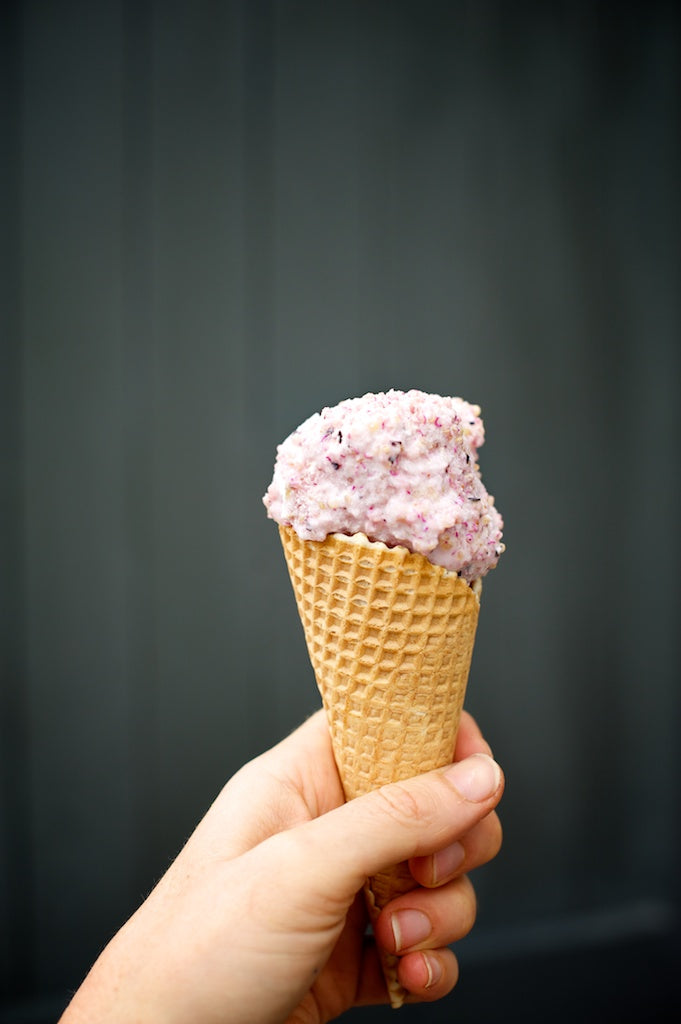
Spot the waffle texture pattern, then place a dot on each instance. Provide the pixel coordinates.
(390, 637)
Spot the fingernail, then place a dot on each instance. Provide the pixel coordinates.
(476, 778)
(434, 968)
(409, 928)
(447, 861)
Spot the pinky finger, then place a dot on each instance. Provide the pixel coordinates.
(428, 974)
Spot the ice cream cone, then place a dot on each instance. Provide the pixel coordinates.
(390, 638)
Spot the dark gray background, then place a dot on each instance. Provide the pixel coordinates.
(216, 219)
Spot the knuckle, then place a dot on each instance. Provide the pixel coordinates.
(495, 837)
(498, 837)
(468, 906)
(401, 804)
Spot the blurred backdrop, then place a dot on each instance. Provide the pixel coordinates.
(218, 217)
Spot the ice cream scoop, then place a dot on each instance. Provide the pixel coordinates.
(400, 467)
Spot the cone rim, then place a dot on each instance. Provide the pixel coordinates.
(400, 555)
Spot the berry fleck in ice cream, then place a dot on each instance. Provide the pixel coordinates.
(400, 467)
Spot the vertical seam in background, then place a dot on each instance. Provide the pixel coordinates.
(138, 433)
(259, 83)
(14, 717)
(259, 203)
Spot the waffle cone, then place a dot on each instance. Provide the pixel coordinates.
(390, 638)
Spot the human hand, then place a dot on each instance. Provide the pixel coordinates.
(261, 920)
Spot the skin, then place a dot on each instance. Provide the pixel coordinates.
(261, 918)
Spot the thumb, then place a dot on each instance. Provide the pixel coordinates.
(405, 819)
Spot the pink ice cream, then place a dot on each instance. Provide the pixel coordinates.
(400, 467)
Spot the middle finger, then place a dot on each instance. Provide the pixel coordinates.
(427, 918)
(478, 847)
